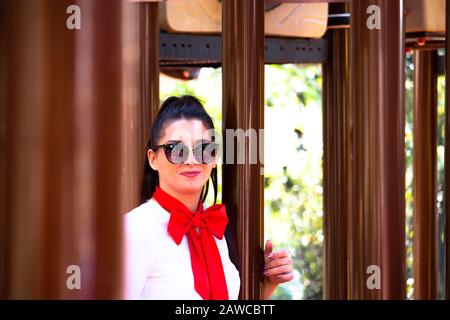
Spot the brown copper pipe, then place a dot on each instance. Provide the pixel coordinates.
(22, 103)
(149, 65)
(447, 156)
(243, 107)
(336, 135)
(425, 175)
(377, 218)
(142, 84)
(66, 98)
(3, 158)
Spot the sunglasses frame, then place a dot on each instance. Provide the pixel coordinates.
(171, 145)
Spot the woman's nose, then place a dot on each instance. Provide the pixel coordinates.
(190, 158)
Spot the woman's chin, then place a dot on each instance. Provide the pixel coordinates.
(192, 186)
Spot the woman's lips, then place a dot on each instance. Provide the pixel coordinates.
(190, 174)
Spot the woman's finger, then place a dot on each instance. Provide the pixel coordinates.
(278, 270)
(278, 254)
(284, 277)
(278, 262)
(267, 250)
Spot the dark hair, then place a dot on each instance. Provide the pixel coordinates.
(174, 108)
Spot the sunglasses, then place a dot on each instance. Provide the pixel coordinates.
(178, 152)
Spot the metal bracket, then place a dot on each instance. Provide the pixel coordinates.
(205, 50)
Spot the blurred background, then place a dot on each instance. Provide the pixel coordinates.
(293, 193)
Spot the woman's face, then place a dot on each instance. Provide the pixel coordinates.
(187, 177)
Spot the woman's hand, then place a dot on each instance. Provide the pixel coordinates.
(277, 268)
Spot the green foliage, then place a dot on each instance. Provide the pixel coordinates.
(281, 294)
(440, 174)
(409, 100)
(293, 177)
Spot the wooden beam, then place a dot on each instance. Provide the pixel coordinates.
(63, 140)
(425, 175)
(447, 156)
(143, 85)
(377, 219)
(243, 108)
(336, 128)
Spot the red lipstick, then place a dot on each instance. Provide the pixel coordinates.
(190, 174)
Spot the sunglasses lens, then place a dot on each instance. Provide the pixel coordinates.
(177, 153)
(205, 152)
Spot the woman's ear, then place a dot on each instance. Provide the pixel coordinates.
(151, 157)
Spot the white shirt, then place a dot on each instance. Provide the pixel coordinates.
(156, 267)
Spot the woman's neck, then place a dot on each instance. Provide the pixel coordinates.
(190, 200)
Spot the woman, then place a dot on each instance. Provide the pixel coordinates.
(176, 249)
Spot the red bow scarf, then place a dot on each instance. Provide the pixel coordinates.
(209, 277)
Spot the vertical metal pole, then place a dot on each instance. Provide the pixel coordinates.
(67, 92)
(22, 103)
(425, 175)
(447, 153)
(336, 126)
(377, 219)
(243, 108)
(3, 128)
(142, 85)
(99, 88)
(149, 42)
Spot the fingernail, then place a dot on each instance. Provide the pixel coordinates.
(270, 255)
